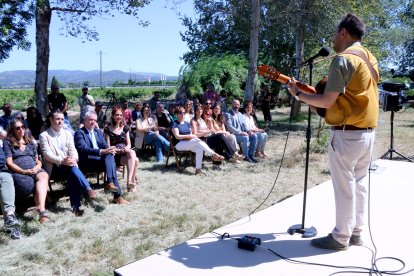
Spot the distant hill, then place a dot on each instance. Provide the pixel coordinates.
(26, 78)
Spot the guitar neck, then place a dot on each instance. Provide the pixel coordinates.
(305, 88)
(271, 73)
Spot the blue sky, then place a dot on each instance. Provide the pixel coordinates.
(125, 45)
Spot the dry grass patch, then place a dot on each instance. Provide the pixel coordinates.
(172, 207)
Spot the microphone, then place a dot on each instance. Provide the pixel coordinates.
(323, 52)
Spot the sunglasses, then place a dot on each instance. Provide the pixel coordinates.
(19, 127)
(181, 112)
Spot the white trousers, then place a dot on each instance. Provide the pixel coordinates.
(349, 158)
(231, 142)
(197, 146)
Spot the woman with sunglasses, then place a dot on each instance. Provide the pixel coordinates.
(186, 141)
(23, 162)
(147, 132)
(117, 134)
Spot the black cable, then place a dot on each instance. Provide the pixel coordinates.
(280, 167)
(356, 269)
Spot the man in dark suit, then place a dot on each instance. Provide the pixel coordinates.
(95, 153)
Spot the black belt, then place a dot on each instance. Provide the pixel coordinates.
(350, 127)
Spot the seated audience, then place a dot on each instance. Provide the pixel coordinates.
(190, 142)
(171, 110)
(23, 162)
(154, 101)
(117, 134)
(6, 117)
(215, 141)
(126, 112)
(148, 133)
(136, 113)
(164, 120)
(34, 122)
(215, 123)
(61, 159)
(95, 153)
(189, 112)
(7, 194)
(101, 116)
(235, 123)
(260, 133)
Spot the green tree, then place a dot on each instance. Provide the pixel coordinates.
(289, 30)
(75, 15)
(407, 58)
(15, 16)
(227, 72)
(55, 82)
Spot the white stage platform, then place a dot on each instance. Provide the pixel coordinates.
(391, 221)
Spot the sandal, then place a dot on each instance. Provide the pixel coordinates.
(43, 217)
(131, 188)
(217, 157)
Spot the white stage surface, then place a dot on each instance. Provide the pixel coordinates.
(391, 223)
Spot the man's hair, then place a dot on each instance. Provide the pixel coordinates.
(90, 113)
(353, 25)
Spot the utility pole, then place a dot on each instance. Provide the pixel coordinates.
(100, 69)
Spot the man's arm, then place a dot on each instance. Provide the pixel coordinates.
(229, 124)
(82, 146)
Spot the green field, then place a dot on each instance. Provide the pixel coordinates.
(21, 99)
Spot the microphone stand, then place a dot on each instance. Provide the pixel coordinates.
(300, 228)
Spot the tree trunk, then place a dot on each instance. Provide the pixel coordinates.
(253, 51)
(43, 17)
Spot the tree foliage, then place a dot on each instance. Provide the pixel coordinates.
(407, 59)
(15, 16)
(290, 31)
(226, 72)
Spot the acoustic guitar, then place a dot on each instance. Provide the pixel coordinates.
(271, 73)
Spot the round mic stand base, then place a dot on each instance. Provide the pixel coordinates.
(306, 232)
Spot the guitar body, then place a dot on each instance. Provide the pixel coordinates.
(269, 72)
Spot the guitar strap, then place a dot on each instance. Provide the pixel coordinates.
(360, 54)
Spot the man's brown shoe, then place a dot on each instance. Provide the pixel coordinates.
(120, 200)
(91, 194)
(110, 187)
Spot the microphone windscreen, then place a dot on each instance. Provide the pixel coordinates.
(324, 52)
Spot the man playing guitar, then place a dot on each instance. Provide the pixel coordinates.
(351, 102)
